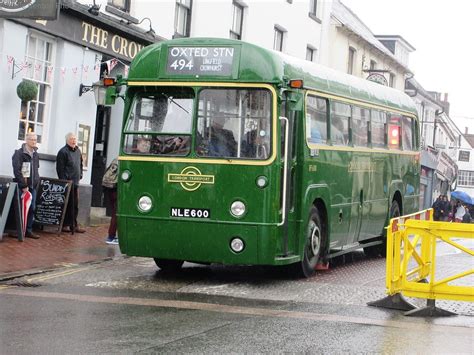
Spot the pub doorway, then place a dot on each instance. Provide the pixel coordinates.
(99, 159)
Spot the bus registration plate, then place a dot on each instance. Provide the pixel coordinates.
(190, 212)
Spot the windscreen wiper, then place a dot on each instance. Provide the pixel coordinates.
(170, 99)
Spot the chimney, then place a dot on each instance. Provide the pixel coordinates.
(466, 130)
(445, 97)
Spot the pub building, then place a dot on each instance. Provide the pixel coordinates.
(64, 57)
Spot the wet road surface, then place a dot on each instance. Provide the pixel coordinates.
(126, 305)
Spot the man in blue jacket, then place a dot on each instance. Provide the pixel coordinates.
(69, 167)
(25, 162)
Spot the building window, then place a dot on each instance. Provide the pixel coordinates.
(278, 39)
(182, 19)
(351, 59)
(237, 21)
(39, 59)
(465, 178)
(310, 53)
(373, 64)
(123, 5)
(464, 155)
(313, 9)
(392, 80)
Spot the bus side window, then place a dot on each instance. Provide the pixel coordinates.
(394, 131)
(378, 128)
(340, 115)
(407, 133)
(360, 117)
(316, 119)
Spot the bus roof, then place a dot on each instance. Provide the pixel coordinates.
(257, 64)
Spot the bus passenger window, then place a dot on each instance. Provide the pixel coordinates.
(340, 115)
(234, 123)
(360, 117)
(378, 127)
(394, 131)
(316, 119)
(407, 133)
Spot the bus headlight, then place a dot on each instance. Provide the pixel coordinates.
(126, 175)
(145, 204)
(237, 208)
(237, 245)
(262, 181)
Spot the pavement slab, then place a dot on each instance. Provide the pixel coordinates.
(53, 251)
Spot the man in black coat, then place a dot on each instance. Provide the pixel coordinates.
(25, 162)
(69, 167)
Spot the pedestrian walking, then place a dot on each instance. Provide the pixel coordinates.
(437, 208)
(69, 167)
(25, 162)
(109, 184)
(444, 210)
(467, 216)
(460, 212)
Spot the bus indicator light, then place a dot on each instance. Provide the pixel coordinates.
(296, 84)
(394, 136)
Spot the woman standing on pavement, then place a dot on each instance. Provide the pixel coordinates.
(109, 184)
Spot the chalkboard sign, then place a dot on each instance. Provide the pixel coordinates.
(216, 61)
(51, 201)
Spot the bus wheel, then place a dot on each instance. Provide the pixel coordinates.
(313, 244)
(169, 265)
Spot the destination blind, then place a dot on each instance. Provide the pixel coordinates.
(216, 61)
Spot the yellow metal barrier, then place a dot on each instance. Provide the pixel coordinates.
(412, 243)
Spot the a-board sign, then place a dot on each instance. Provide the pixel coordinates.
(51, 201)
(200, 61)
(10, 210)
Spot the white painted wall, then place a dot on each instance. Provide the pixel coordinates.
(341, 40)
(13, 44)
(66, 109)
(213, 18)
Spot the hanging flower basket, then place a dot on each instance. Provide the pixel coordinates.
(27, 90)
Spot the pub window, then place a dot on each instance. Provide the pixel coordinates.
(316, 119)
(340, 115)
(237, 21)
(39, 59)
(310, 53)
(182, 19)
(373, 64)
(392, 80)
(123, 5)
(278, 39)
(83, 140)
(360, 118)
(313, 9)
(378, 127)
(350, 60)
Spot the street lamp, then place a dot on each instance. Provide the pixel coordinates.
(99, 89)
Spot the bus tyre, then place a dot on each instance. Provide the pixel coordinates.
(313, 247)
(169, 265)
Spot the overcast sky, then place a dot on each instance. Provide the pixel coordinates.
(442, 32)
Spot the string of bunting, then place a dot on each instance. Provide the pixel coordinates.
(38, 67)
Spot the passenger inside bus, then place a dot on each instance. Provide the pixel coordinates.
(219, 143)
